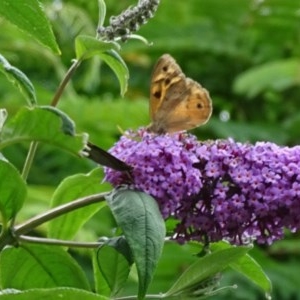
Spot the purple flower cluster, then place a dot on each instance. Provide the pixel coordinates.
(215, 189)
(162, 167)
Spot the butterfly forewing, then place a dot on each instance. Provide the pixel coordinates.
(165, 74)
(176, 102)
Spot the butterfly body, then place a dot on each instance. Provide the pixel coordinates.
(176, 102)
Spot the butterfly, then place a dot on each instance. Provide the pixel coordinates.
(176, 102)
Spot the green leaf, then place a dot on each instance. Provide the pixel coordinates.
(87, 47)
(68, 125)
(117, 64)
(29, 16)
(102, 12)
(36, 266)
(13, 190)
(140, 38)
(114, 262)
(247, 266)
(47, 125)
(139, 217)
(101, 285)
(253, 271)
(19, 79)
(74, 187)
(206, 267)
(277, 75)
(50, 294)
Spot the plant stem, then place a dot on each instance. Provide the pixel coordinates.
(56, 212)
(27, 165)
(157, 296)
(54, 102)
(56, 242)
(64, 82)
(29, 159)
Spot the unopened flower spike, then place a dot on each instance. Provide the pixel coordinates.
(130, 20)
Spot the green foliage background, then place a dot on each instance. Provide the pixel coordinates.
(246, 53)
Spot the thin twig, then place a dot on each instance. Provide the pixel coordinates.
(29, 159)
(56, 212)
(34, 144)
(56, 242)
(64, 82)
(157, 296)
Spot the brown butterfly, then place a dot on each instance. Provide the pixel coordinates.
(176, 102)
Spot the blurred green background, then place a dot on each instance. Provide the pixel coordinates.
(246, 53)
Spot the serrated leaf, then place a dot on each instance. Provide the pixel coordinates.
(247, 266)
(30, 17)
(43, 125)
(87, 47)
(13, 190)
(102, 12)
(71, 188)
(139, 217)
(39, 266)
(206, 267)
(19, 79)
(50, 294)
(117, 64)
(114, 262)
